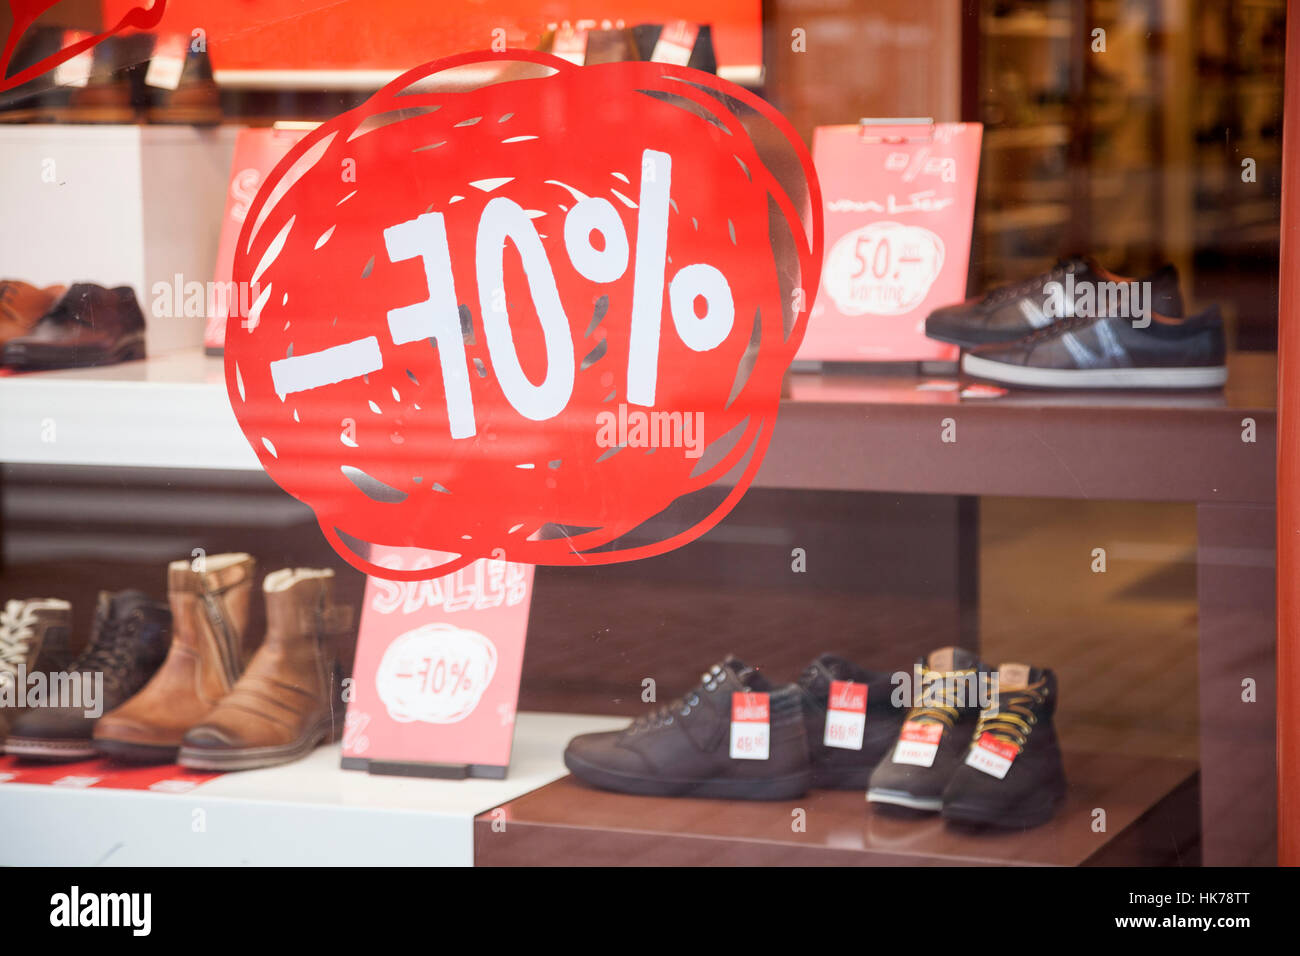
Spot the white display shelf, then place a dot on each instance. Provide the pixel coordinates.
(170, 411)
(306, 813)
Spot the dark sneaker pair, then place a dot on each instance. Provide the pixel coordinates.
(1110, 352)
(980, 747)
(129, 641)
(1009, 313)
(1079, 326)
(738, 736)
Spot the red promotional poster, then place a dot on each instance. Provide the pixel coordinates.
(899, 204)
(572, 294)
(436, 677)
(256, 153)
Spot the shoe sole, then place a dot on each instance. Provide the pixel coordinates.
(1172, 378)
(774, 788)
(983, 816)
(253, 758)
(135, 753)
(37, 748)
(901, 798)
(43, 357)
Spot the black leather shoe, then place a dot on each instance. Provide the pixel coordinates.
(1011, 312)
(128, 644)
(1092, 352)
(1012, 774)
(89, 325)
(840, 761)
(934, 736)
(684, 748)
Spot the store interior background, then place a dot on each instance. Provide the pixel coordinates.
(1132, 156)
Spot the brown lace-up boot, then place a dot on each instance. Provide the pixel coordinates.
(209, 651)
(288, 701)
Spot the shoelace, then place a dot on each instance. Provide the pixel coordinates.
(663, 715)
(1014, 718)
(945, 710)
(111, 651)
(1032, 284)
(17, 624)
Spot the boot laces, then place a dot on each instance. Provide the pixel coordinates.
(664, 714)
(1014, 717)
(111, 650)
(17, 628)
(941, 696)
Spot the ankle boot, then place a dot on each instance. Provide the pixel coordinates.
(288, 701)
(209, 651)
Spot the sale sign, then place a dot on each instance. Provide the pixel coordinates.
(518, 320)
(899, 203)
(437, 669)
(256, 153)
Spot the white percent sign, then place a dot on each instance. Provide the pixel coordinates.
(438, 316)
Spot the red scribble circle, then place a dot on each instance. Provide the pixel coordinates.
(373, 454)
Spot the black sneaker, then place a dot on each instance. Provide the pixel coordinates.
(684, 748)
(1094, 352)
(1011, 775)
(935, 734)
(1011, 312)
(129, 641)
(845, 749)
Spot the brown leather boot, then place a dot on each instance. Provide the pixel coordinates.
(288, 700)
(209, 651)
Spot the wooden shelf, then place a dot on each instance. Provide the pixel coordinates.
(571, 824)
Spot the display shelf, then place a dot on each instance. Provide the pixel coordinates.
(1150, 817)
(832, 434)
(305, 813)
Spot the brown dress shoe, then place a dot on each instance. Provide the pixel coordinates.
(289, 700)
(89, 325)
(22, 305)
(209, 651)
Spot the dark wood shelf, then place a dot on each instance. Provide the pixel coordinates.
(875, 431)
(1150, 806)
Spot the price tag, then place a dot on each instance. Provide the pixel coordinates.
(846, 715)
(751, 728)
(675, 43)
(570, 44)
(173, 786)
(918, 743)
(76, 71)
(991, 756)
(167, 64)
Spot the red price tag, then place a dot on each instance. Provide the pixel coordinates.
(846, 715)
(750, 726)
(675, 43)
(991, 756)
(918, 743)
